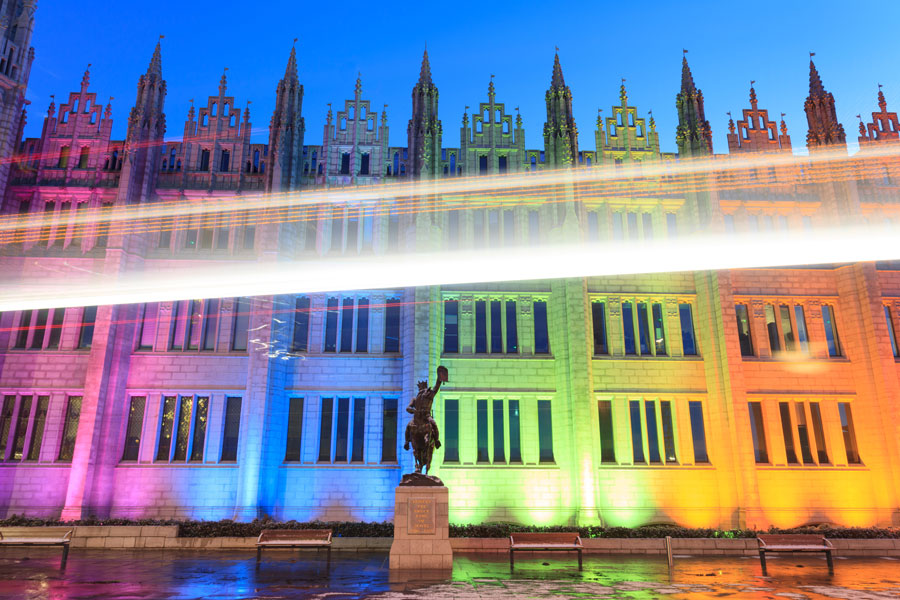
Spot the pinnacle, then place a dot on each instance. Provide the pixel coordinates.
(223, 83)
(753, 101)
(290, 72)
(882, 103)
(425, 72)
(155, 67)
(816, 88)
(86, 79)
(687, 78)
(557, 80)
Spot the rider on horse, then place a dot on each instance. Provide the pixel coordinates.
(422, 402)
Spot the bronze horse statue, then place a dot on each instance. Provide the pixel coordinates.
(422, 431)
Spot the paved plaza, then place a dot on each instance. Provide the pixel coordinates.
(225, 575)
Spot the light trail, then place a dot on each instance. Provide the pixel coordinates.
(230, 279)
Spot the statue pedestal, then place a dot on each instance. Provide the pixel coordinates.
(421, 528)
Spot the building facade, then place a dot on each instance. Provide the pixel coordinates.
(751, 397)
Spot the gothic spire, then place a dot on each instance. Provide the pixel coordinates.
(86, 79)
(687, 78)
(824, 128)
(425, 71)
(290, 72)
(155, 67)
(223, 83)
(557, 80)
(816, 89)
(753, 102)
(693, 134)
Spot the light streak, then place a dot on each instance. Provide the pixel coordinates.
(231, 279)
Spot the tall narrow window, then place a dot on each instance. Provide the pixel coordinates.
(166, 428)
(534, 227)
(545, 432)
(665, 412)
(86, 338)
(772, 329)
(803, 433)
(199, 439)
(672, 225)
(617, 228)
(294, 430)
(849, 433)
(787, 329)
(628, 328)
(331, 320)
(499, 445)
(389, 431)
(451, 326)
(496, 327)
(802, 336)
(607, 441)
(480, 326)
(652, 431)
(25, 325)
(481, 416)
(133, 428)
(37, 429)
(659, 331)
(478, 228)
(819, 432)
(300, 340)
(688, 341)
(182, 433)
(148, 326)
(194, 325)
(647, 222)
(887, 315)
(392, 325)
(347, 325)
(831, 332)
(758, 431)
(362, 325)
(210, 324)
(643, 328)
(451, 430)
(698, 432)
(343, 424)
(18, 449)
(176, 331)
(359, 429)
(743, 329)
(40, 328)
(598, 318)
(541, 334)
(515, 444)
(241, 327)
(637, 434)
(512, 330)
(787, 432)
(70, 429)
(6, 413)
(325, 430)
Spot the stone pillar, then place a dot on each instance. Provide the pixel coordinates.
(421, 528)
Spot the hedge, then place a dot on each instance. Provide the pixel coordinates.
(228, 528)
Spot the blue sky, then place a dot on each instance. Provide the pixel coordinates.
(600, 42)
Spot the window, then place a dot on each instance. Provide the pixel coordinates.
(347, 325)
(63, 158)
(18, 447)
(204, 160)
(451, 430)
(362, 325)
(325, 430)
(70, 429)
(890, 328)
(194, 325)
(232, 428)
(545, 432)
(849, 433)
(758, 431)
(786, 328)
(743, 329)
(688, 342)
(210, 324)
(451, 326)
(803, 433)
(534, 227)
(392, 325)
(225, 161)
(87, 327)
(496, 328)
(802, 336)
(498, 427)
(698, 431)
(300, 340)
(148, 326)
(343, 430)
(480, 326)
(637, 435)
(628, 328)
(241, 325)
(389, 432)
(331, 320)
(831, 332)
(348, 444)
(183, 429)
(515, 444)
(655, 345)
(6, 412)
(659, 332)
(164, 446)
(672, 225)
(133, 428)
(541, 335)
(788, 433)
(647, 222)
(481, 414)
(617, 228)
(668, 430)
(772, 329)
(652, 431)
(359, 429)
(818, 432)
(364, 164)
(37, 428)
(294, 430)
(345, 163)
(24, 325)
(598, 315)
(607, 441)
(512, 332)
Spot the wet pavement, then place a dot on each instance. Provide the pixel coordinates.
(227, 575)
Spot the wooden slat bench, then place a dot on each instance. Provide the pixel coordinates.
(794, 542)
(293, 538)
(38, 536)
(567, 541)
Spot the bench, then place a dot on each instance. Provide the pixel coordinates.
(566, 541)
(795, 542)
(293, 538)
(38, 536)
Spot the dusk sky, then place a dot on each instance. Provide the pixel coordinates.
(600, 42)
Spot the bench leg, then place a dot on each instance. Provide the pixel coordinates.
(579, 559)
(762, 561)
(830, 562)
(65, 557)
(258, 555)
(512, 560)
(328, 558)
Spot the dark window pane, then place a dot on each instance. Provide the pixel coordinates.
(87, 327)
(637, 435)
(743, 328)
(40, 327)
(300, 342)
(343, 423)
(482, 425)
(210, 324)
(803, 434)
(347, 325)
(166, 428)
(607, 441)
(541, 335)
(451, 430)
(499, 453)
(758, 431)
(194, 325)
(359, 429)
(389, 431)
(643, 328)
(512, 330)
(849, 433)
(22, 333)
(184, 427)
(802, 336)
(199, 441)
(652, 431)
(294, 430)
(325, 430)
(786, 328)
(18, 449)
(133, 429)
(496, 327)
(659, 331)
(628, 328)
(688, 343)
(698, 432)
(70, 429)
(9, 403)
(819, 432)
(239, 333)
(37, 430)
(451, 326)
(665, 411)
(176, 334)
(598, 317)
(831, 332)
(887, 315)
(232, 429)
(480, 326)
(331, 319)
(787, 432)
(362, 325)
(148, 326)
(392, 325)
(545, 431)
(772, 329)
(515, 444)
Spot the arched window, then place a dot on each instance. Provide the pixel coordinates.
(506, 126)
(533, 162)
(478, 127)
(247, 167)
(343, 123)
(224, 161)
(64, 117)
(178, 165)
(350, 113)
(203, 120)
(364, 164)
(256, 161)
(320, 171)
(453, 163)
(94, 118)
(231, 121)
(87, 105)
(225, 110)
(75, 106)
(403, 169)
(63, 157)
(396, 162)
(362, 112)
(83, 159)
(262, 167)
(204, 160)
(213, 109)
(172, 159)
(164, 165)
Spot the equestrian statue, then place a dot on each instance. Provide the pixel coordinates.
(422, 432)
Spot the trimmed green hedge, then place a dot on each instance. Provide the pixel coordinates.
(228, 528)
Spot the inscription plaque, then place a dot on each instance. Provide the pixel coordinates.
(421, 516)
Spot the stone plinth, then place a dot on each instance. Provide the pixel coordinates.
(421, 528)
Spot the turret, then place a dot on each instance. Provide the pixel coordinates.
(424, 133)
(286, 131)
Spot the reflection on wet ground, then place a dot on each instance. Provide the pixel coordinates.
(149, 574)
